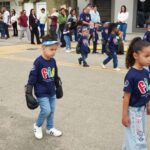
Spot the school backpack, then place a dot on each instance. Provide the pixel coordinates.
(78, 49)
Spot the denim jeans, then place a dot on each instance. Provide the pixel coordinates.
(67, 40)
(83, 57)
(135, 138)
(123, 28)
(24, 29)
(42, 27)
(47, 106)
(111, 56)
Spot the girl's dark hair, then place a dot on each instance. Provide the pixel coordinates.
(71, 12)
(125, 9)
(66, 26)
(14, 12)
(31, 12)
(136, 45)
(112, 26)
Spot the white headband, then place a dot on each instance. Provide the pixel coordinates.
(47, 43)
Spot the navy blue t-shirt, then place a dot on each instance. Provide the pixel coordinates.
(42, 77)
(112, 42)
(137, 83)
(83, 42)
(85, 17)
(147, 36)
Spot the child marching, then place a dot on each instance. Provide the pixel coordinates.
(136, 95)
(112, 48)
(42, 79)
(84, 48)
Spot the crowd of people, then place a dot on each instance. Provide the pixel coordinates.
(67, 25)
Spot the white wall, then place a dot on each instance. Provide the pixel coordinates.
(82, 4)
(14, 5)
(130, 5)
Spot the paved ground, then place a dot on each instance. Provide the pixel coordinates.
(89, 113)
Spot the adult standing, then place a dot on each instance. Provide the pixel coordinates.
(42, 19)
(95, 16)
(72, 18)
(85, 17)
(54, 23)
(6, 20)
(122, 18)
(62, 21)
(14, 22)
(23, 22)
(33, 25)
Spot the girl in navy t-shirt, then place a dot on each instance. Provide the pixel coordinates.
(136, 95)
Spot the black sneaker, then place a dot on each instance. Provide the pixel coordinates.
(86, 65)
(80, 62)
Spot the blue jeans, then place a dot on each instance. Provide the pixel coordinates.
(123, 28)
(76, 34)
(111, 56)
(135, 138)
(42, 27)
(47, 106)
(67, 40)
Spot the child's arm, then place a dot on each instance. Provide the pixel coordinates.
(148, 108)
(125, 115)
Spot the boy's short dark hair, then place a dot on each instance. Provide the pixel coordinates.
(48, 38)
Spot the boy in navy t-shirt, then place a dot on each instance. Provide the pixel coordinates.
(147, 33)
(41, 78)
(84, 48)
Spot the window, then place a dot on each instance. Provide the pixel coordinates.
(143, 13)
(6, 4)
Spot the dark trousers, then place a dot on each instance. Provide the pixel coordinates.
(42, 27)
(112, 55)
(61, 28)
(104, 48)
(83, 57)
(35, 32)
(6, 30)
(15, 29)
(94, 46)
(53, 32)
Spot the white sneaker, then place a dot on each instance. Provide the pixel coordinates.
(38, 132)
(103, 66)
(117, 69)
(54, 132)
(72, 50)
(68, 51)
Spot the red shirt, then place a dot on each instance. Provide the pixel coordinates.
(23, 21)
(54, 20)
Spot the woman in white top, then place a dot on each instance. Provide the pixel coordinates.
(14, 22)
(122, 18)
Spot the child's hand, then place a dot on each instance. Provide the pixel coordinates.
(126, 121)
(148, 109)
